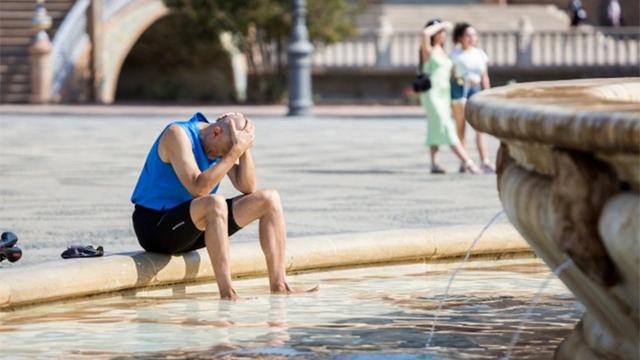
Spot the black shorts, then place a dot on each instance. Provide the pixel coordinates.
(172, 231)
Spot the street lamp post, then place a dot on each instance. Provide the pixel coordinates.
(299, 49)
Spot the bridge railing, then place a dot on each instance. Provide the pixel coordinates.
(523, 48)
(113, 6)
(356, 52)
(586, 47)
(501, 47)
(70, 40)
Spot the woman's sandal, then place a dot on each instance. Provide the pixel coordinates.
(487, 167)
(472, 168)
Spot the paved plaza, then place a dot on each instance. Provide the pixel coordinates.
(66, 176)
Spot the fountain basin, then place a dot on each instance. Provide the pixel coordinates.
(378, 298)
(568, 176)
(381, 312)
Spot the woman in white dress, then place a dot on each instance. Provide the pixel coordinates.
(470, 76)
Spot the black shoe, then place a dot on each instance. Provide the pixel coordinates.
(78, 251)
(8, 248)
(436, 169)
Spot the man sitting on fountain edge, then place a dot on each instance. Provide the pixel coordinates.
(176, 206)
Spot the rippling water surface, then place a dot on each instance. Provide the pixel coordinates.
(368, 313)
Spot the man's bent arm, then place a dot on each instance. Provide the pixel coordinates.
(243, 176)
(178, 150)
(208, 179)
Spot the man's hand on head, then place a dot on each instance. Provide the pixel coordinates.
(249, 127)
(226, 114)
(242, 139)
(243, 175)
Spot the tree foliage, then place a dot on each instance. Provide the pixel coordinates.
(261, 29)
(328, 20)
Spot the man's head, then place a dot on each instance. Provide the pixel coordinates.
(219, 139)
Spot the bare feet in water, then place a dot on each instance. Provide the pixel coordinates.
(283, 289)
(286, 289)
(231, 295)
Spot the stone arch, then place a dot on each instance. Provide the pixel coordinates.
(174, 61)
(119, 34)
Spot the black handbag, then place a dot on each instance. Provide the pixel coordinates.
(421, 83)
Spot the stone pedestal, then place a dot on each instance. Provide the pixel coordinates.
(39, 56)
(41, 76)
(384, 35)
(95, 29)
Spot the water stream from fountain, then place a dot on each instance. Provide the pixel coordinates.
(453, 275)
(556, 272)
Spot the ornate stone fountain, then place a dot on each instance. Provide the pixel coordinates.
(569, 179)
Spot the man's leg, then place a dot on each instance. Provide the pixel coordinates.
(265, 206)
(209, 214)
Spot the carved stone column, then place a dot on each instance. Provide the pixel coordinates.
(525, 32)
(384, 34)
(94, 28)
(39, 52)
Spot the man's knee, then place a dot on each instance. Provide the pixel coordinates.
(271, 199)
(216, 206)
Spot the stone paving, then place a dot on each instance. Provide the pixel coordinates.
(67, 178)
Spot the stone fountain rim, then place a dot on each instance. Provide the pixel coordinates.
(65, 280)
(550, 121)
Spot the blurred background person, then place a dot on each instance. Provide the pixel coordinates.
(441, 129)
(470, 76)
(614, 13)
(577, 13)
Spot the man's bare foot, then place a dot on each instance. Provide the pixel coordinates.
(286, 289)
(230, 295)
(314, 288)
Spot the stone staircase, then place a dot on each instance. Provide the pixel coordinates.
(16, 32)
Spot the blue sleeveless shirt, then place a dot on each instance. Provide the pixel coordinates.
(158, 186)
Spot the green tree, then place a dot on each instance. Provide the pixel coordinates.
(261, 29)
(329, 20)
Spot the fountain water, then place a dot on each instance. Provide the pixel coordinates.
(556, 272)
(453, 275)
